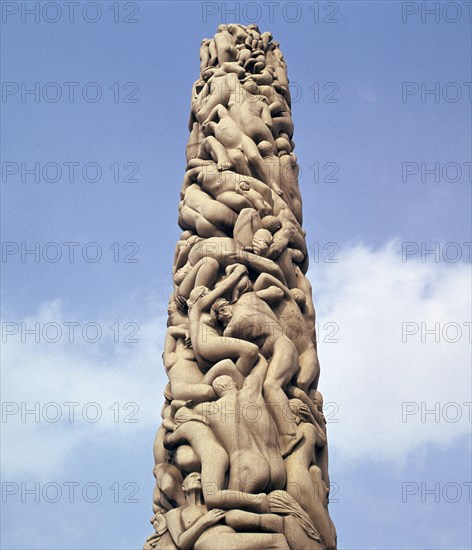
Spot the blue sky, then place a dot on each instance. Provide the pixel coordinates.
(357, 123)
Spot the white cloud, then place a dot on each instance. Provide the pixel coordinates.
(106, 373)
(371, 372)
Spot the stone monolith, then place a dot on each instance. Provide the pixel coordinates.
(241, 457)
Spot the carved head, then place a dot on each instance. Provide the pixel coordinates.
(254, 27)
(251, 87)
(283, 145)
(183, 415)
(295, 406)
(222, 312)
(299, 297)
(177, 315)
(271, 223)
(261, 242)
(180, 274)
(197, 293)
(224, 384)
(265, 149)
(192, 482)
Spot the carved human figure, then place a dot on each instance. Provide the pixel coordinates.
(281, 240)
(212, 457)
(289, 178)
(321, 449)
(255, 35)
(167, 492)
(183, 247)
(290, 235)
(188, 383)
(186, 379)
(266, 38)
(304, 477)
(249, 436)
(227, 252)
(239, 32)
(231, 189)
(275, 57)
(288, 312)
(193, 526)
(231, 144)
(244, 53)
(208, 54)
(251, 319)
(176, 314)
(307, 307)
(200, 212)
(225, 44)
(160, 539)
(194, 143)
(282, 120)
(203, 273)
(273, 94)
(208, 343)
(263, 78)
(221, 84)
(251, 112)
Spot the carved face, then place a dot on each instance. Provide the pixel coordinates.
(183, 415)
(225, 314)
(197, 293)
(181, 273)
(295, 406)
(251, 87)
(223, 384)
(192, 481)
